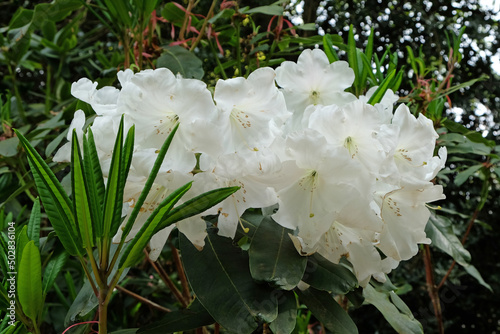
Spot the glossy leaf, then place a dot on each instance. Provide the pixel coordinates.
(324, 307)
(439, 230)
(195, 316)
(400, 318)
(325, 275)
(29, 282)
(134, 251)
(80, 195)
(273, 257)
(221, 279)
(196, 205)
(95, 182)
(287, 313)
(117, 177)
(34, 223)
(56, 202)
(181, 61)
(382, 89)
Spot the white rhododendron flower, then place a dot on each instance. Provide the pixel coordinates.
(252, 111)
(350, 179)
(312, 81)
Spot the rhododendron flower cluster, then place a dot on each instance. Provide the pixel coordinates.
(350, 179)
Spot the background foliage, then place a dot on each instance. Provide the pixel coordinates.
(47, 46)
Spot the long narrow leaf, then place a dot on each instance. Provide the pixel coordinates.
(55, 201)
(379, 93)
(197, 205)
(80, 195)
(149, 183)
(34, 223)
(112, 199)
(133, 252)
(352, 57)
(126, 160)
(52, 270)
(95, 182)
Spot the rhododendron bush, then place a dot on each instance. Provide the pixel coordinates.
(346, 178)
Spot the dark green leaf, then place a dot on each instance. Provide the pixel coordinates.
(273, 257)
(287, 313)
(34, 223)
(325, 275)
(179, 60)
(329, 50)
(327, 311)
(464, 175)
(470, 134)
(382, 88)
(228, 293)
(193, 317)
(52, 270)
(439, 230)
(268, 10)
(95, 182)
(80, 195)
(114, 189)
(55, 201)
(29, 282)
(400, 317)
(196, 205)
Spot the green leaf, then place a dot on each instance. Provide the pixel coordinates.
(221, 279)
(400, 318)
(464, 175)
(81, 195)
(174, 14)
(52, 270)
(195, 316)
(29, 282)
(20, 18)
(327, 311)
(197, 205)
(95, 182)
(329, 50)
(120, 11)
(352, 57)
(471, 270)
(287, 313)
(472, 135)
(117, 177)
(34, 223)
(21, 242)
(273, 257)
(325, 275)
(268, 10)
(55, 201)
(126, 331)
(439, 230)
(8, 147)
(179, 60)
(382, 88)
(134, 251)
